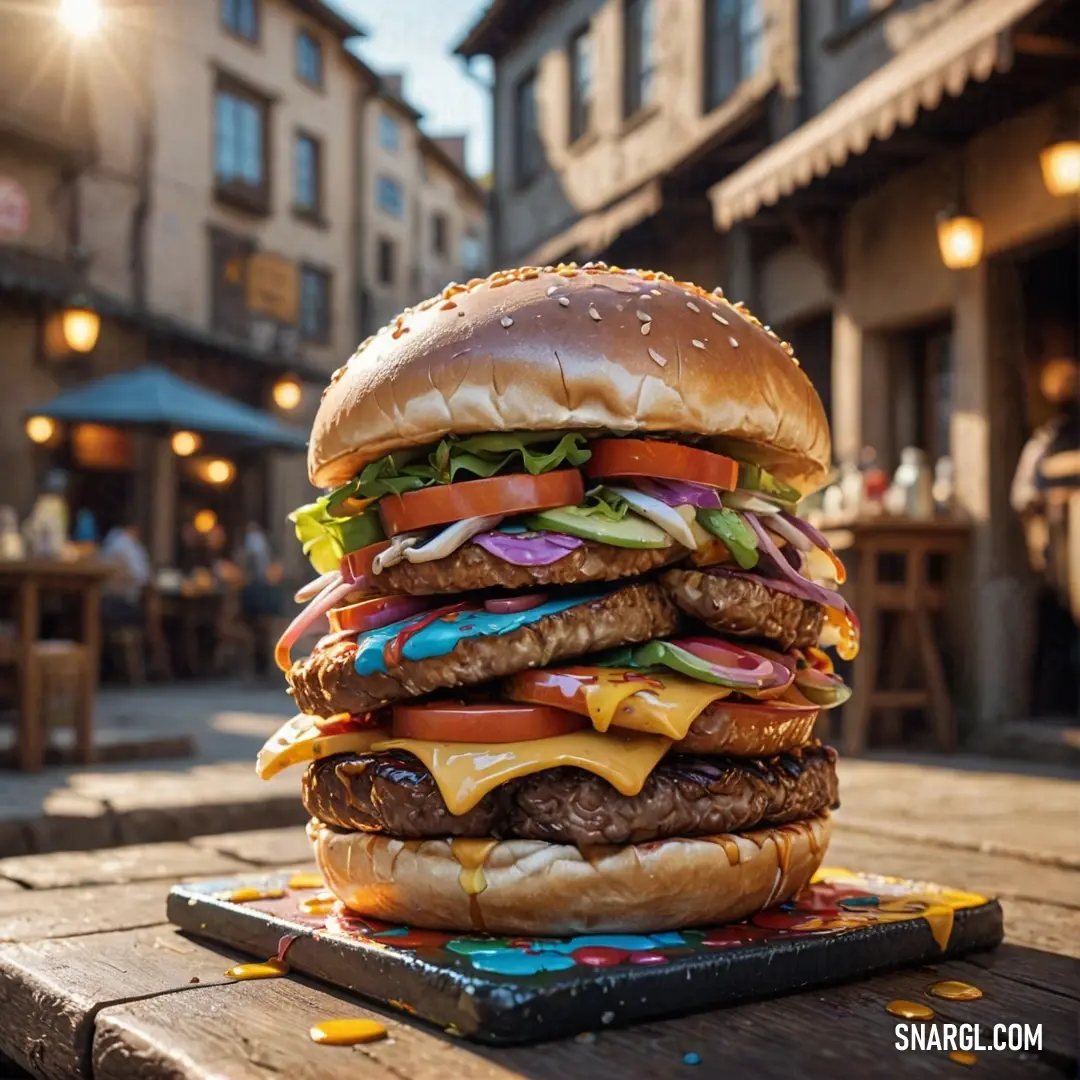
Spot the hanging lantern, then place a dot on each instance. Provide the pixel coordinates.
(204, 521)
(40, 429)
(288, 393)
(960, 239)
(185, 443)
(81, 326)
(1060, 164)
(220, 472)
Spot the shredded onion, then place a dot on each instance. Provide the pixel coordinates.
(330, 597)
(779, 524)
(681, 493)
(748, 500)
(451, 538)
(313, 588)
(395, 552)
(815, 537)
(660, 513)
(528, 548)
(807, 590)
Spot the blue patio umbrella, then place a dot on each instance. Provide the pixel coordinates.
(154, 397)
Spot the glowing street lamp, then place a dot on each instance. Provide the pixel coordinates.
(185, 443)
(40, 429)
(960, 240)
(81, 325)
(82, 18)
(287, 393)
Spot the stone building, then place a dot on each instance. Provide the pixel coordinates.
(803, 155)
(202, 176)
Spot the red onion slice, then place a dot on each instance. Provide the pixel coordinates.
(681, 493)
(528, 549)
(767, 670)
(313, 588)
(381, 612)
(815, 537)
(511, 605)
(330, 597)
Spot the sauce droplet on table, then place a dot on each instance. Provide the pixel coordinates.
(307, 881)
(269, 969)
(952, 990)
(962, 1057)
(245, 895)
(347, 1032)
(909, 1010)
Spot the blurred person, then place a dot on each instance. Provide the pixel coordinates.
(122, 591)
(261, 600)
(1047, 475)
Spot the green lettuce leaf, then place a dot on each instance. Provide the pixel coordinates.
(601, 503)
(729, 527)
(755, 478)
(477, 456)
(327, 537)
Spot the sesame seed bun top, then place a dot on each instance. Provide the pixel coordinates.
(592, 349)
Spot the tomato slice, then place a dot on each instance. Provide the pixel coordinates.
(663, 461)
(518, 493)
(562, 688)
(380, 611)
(357, 564)
(448, 721)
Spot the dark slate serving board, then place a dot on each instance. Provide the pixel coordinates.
(847, 926)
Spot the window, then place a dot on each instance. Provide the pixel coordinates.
(472, 255)
(240, 146)
(390, 197)
(389, 133)
(307, 175)
(439, 245)
(314, 305)
(309, 59)
(849, 10)
(528, 150)
(733, 41)
(387, 261)
(229, 253)
(639, 54)
(581, 85)
(241, 17)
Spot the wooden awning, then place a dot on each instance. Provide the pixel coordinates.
(596, 231)
(971, 44)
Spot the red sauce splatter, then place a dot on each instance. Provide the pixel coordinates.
(648, 958)
(392, 649)
(740, 934)
(600, 956)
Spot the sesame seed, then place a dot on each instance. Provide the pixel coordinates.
(692, 306)
(720, 319)
(718, 292)
(552, 290)
(697, 344)
(506, 321)
(644, 316)
(734, 342)
(448, 306)
(567, 272)
(593, 313)
(646, 328)
(656, 292)
(661, 360)
(564, 300)
(501, 281)
(530, 274)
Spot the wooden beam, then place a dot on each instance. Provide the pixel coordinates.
(1046, 45)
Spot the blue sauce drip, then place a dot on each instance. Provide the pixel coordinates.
(440, 637)
(512, 962)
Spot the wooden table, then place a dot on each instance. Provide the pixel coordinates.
(913, 600)
(191, 622)
(28, 579)
(95, 984)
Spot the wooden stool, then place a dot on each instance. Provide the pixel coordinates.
(64, 669)
(913, 603)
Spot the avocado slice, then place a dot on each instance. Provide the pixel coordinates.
(665, 654)
(755, 478)
(631, 532)
(728, 527)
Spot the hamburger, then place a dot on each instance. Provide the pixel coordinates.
(574, 657)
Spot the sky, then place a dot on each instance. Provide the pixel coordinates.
(416, 37)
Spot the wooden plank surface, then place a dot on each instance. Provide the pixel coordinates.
(1031, 817)
(59, 913)
(258, 1030)
(138, 862)
(51, 991)
(262, 847)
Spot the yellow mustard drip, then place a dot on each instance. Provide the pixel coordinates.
(269, 969)
(347, 1032)
(909, 1010)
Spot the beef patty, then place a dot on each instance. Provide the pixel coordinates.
(326, 682)
(685, 795)
(745, 606)
(471, 567)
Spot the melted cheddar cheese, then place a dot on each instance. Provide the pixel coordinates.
(662, 705)
(466, 772)
(300, 740)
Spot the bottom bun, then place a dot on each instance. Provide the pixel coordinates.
(530, 887)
